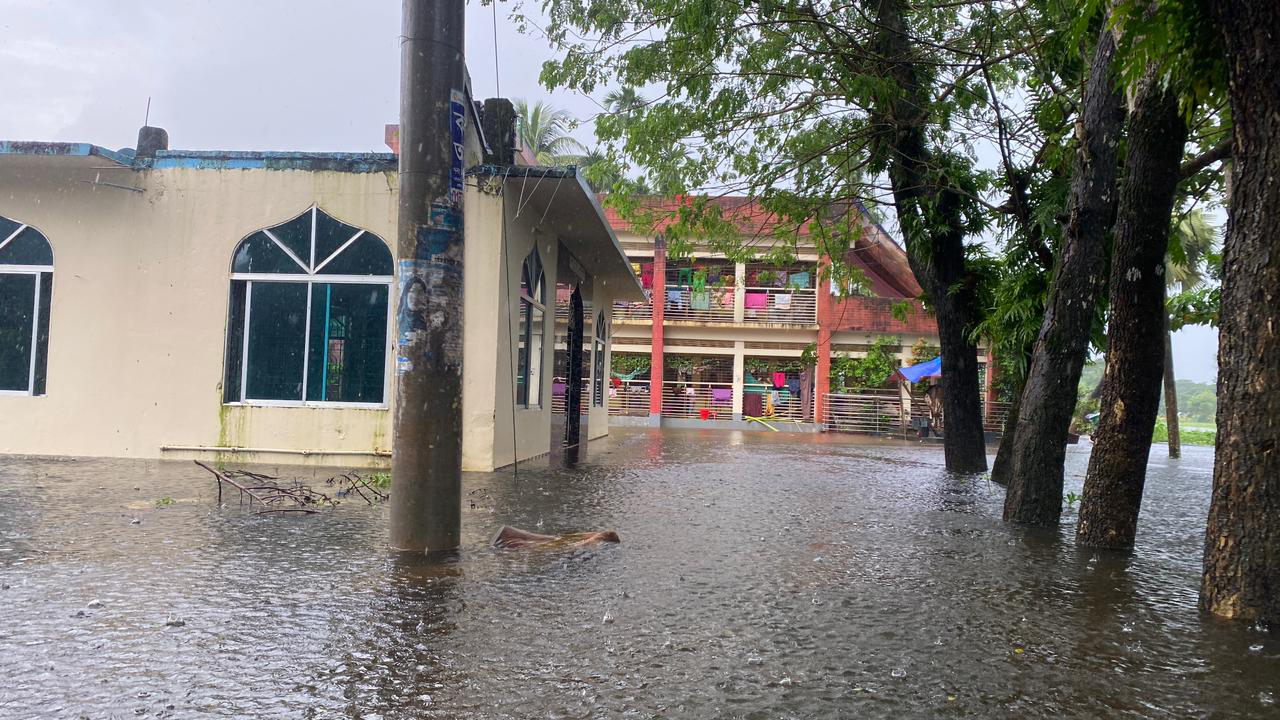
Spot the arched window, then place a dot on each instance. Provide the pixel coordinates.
(309, 314)
(533, 306)
(26, 290)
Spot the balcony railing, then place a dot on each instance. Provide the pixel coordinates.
(716, 305)
(630, 398)
(710, 305)
(783, 306)
(874, 412)
(705, 401)
(559, 399)
(639, 311)
(783, 403)
(880, 412)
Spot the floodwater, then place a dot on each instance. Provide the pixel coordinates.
(759, 576)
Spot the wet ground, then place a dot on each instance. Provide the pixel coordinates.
(760, 576)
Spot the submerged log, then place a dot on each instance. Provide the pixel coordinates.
(509, 537)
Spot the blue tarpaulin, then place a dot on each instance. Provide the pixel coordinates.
(916, 373)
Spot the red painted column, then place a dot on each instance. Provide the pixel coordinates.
(656, 347)
(825, 320)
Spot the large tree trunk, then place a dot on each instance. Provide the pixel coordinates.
(931, 217)
(1002, 466)
(1171, 395)
(1135, 338)
(1038, 449)
(1242, 540)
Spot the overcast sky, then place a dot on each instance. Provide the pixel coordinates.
(263, 75)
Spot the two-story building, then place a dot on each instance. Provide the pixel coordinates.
(717, 342)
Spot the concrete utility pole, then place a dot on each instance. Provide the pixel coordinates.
(426, 460)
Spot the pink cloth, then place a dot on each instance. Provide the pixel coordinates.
(756, 301)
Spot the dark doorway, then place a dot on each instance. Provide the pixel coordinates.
(573, 377)
(569, 391)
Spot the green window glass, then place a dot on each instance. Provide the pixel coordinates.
(17, 319)
(533, 304)
(26, 293)
(307, 318)
(348, 343)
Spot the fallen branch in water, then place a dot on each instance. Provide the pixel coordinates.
(276, 496)
(268, 494)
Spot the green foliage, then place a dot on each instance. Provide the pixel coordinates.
(777, 101)
(1179, 37)
(544, 131)
(850, 374)
(166, 500)
(625, 364)
(1193, 259)
(760, 368)
(1086, 404)
(1186, 435)
(381, 481)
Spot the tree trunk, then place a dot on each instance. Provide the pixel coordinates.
(1170, 395)
(1135, 339)
(1242, 540)
(1002, 467)
(931, 217)
(1038, 449)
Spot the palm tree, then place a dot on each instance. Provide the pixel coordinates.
(624, 101)
(1183, 272)
(544, 131)
(600, 173)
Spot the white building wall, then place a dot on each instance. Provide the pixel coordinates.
(139, 313)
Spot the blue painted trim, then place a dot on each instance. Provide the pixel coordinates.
(271, 160)
(63, 149)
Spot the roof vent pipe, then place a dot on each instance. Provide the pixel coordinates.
(151, 139)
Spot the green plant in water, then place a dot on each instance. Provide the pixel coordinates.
(1072, 498)
(380, 480)
(166, 500)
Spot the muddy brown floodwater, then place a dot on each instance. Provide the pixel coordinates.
(759, 576)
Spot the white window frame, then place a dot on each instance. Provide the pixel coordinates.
(310, 277)
(538, 284)
(38, 271)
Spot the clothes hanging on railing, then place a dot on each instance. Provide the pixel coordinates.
(675, 299)
(646, 276)
(700, 301)
(699, 283)
(779, 380)
(798, 280)
(756, 301)
(782, 301)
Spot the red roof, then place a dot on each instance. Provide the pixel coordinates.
(884, 263)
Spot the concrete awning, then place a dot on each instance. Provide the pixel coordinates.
(561, 201)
